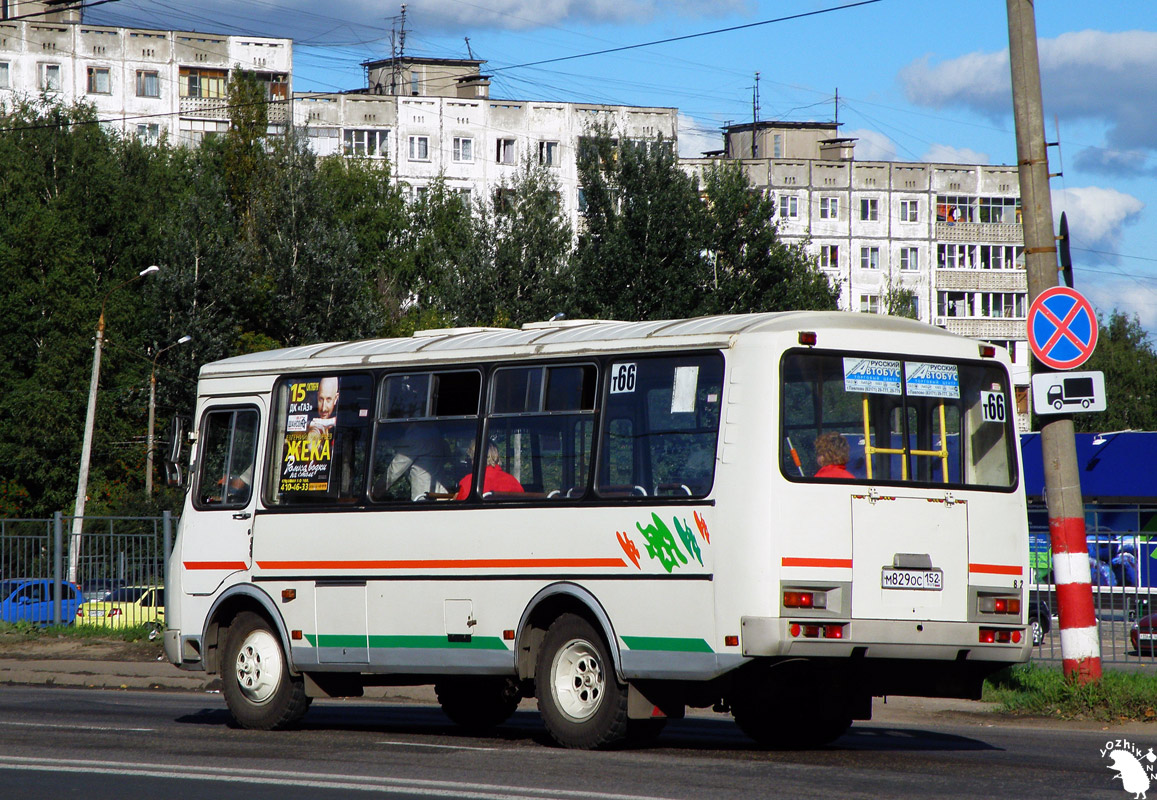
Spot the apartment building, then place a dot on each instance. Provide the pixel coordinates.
(431, 118)
(949, 233)
(148, 83)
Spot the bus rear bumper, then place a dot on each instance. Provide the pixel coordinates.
(884, 639)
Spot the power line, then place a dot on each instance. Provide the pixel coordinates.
(689, 36)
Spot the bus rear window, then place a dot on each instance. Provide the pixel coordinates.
(921, 421)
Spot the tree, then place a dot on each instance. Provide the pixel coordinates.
(640, 251)
(752, 268)
(1126, 356)
(899, 300)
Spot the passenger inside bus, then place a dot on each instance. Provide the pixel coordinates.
(496, 479)
(832, 455)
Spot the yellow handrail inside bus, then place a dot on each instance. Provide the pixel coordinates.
(903, 452)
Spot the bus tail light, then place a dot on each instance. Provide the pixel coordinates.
(800, 598)
(808, 338)
(805, 630)
(987, 351)
(990, 604)
(999, 636)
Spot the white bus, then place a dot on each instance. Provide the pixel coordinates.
(619, 519)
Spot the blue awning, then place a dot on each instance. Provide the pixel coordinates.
(1113, 467)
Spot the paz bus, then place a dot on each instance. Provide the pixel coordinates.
(619, 519)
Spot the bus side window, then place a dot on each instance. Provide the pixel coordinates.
(426, 425)
(662, 426)
(228, 453)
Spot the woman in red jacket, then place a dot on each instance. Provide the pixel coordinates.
(496, 479)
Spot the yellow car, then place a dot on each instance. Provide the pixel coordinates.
(126, 607)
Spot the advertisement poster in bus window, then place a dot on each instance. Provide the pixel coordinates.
(931, 380)
(872, 375)
(310, 417)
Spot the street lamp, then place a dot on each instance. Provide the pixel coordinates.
(152, 414)
(89, 420)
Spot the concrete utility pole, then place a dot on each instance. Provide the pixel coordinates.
(1080, 645)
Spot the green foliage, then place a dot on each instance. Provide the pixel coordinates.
(899, 300)
(1126, 356)
(1118, 696)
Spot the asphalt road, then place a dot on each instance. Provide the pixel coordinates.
(172, 745)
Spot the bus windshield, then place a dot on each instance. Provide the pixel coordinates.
(916, 421)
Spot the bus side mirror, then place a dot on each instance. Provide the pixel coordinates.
(174, 475)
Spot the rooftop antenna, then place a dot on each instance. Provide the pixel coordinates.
(469, 52)
(754, 115)
(397, 49)
(837, 106)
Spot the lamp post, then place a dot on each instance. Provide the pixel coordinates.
(89, 421)
(153, 414)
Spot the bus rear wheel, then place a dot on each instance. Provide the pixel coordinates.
(478, 704)
(258, 687)
(579, 696)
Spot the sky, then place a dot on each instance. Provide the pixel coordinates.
(916, 81)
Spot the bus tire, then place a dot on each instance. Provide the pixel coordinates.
(579, 696)
(478, 704)
(255, 679)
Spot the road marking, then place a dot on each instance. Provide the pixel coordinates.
(439, 746)
(76, 727)
(309, 780)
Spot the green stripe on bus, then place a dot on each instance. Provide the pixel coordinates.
(429, 642)
(668, 643)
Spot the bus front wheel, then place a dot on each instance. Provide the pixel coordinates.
(255, 678)
(579, 696)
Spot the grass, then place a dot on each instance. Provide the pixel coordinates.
(1041, 691)
(28, 632)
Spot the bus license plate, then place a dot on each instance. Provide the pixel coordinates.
(931, 580)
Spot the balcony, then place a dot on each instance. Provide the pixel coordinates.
(985, 280)
(218, 108)
(988, 232)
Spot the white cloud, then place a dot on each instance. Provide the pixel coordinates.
(872, 146)
(1096, 217)
(698, 136)
(947, 154)
(1090, 75)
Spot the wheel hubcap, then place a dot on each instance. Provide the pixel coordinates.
(577, 679)
(258, 668)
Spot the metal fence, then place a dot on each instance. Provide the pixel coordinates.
(115, 558)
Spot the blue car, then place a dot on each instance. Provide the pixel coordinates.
(30, 600)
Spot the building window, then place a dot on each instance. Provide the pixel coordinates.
(503, 201)
(909, 211)
(465, 196)
(956, 256)
(415, 83)
(149, 133)
(995, 305)
(504, 151)
(869, 258)
(829, 256)
(148, 83)
(419, 148)
(909, 258)
(829, 208)
(98, 81)
(463, 149)
(202, 83)
(869, 209)
(788, 206)
(1001, 256)
(999, 209)
(548, 153)
(954, 208)
(777, 145)
(5, 80)
(365, 143)
(49, 77)
(870, 303)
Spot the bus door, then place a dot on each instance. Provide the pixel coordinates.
(217, 536)
(910, 549)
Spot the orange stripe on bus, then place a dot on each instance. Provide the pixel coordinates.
(215, 565)
(833, 563)
(447, 563)
(995, 569)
